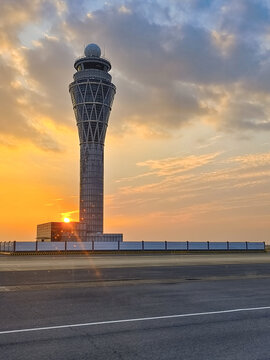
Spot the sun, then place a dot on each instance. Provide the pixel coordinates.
(66, 220)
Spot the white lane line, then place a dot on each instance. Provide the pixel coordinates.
(133, 320)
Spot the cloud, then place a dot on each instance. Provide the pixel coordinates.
(20, 102)
(17, 118)
(50, 65)
(206, 182)
(246, 16)
(169, 74)
(172, 166)
(244, 116)
(170, 70)
(252, 160)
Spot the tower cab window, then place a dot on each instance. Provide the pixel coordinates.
(93, 65)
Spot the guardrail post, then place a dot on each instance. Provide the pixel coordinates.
(65, 246)
(228, 245)
(246, 245)
(208, 245)
(36, 246)
(166, 245)
(14, 246)
(187, 245)
(142, 245)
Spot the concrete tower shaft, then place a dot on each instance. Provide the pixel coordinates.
(92, 94)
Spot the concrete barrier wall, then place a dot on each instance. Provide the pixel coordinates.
(25, 246)
(154, 245)
(7, 246)
(237, 246)
(255, 246)
(177, 245)
(218, 245)
(51, 246)
(106, 245)
(11, 246)
(82, 246)
(131, 245)
(197, 245)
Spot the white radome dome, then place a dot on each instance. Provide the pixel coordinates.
(92, 50)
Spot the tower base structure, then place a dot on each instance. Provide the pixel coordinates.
(72, 231)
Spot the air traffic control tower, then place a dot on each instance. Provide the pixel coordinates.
(92, 93)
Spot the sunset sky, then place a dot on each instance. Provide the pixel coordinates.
(187, 153)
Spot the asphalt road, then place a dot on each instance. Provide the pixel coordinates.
(57, 297)
(46, 262)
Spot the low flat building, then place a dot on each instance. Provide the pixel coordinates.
(71, 231)
(57, 231)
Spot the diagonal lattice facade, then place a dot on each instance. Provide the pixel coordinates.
(92, 95)
(92, 101)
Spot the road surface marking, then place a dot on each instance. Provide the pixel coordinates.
(133, 320)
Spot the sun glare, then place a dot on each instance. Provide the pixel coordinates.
(66, 220)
